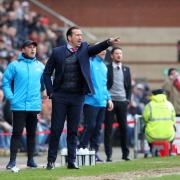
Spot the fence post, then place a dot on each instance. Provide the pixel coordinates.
(136, 136)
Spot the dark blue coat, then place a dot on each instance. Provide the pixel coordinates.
(57, 62)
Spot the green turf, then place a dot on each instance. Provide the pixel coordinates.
(103, 168)
(169, 177)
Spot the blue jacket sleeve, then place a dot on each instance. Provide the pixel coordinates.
(7, 80)
(108, 96)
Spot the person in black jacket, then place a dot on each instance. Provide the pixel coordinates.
(71, 82)
(119, 85)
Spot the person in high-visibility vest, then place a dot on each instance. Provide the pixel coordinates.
(159, 117)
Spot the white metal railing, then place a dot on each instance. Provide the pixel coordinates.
(66, 21)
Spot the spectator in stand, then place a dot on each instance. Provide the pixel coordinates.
(139, 98)
(60, 37)
(17, 8)
(5, 127)
(15, 28)
(119, 85)
(173, 94)
(42, 52)
(25, 73)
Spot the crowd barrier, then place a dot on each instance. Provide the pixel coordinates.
(64, 130)
(140, 143)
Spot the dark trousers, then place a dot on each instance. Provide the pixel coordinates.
(23, 119)
(120, 110)
(65, 106)
(93, 118)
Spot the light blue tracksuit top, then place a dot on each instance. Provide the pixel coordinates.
(25, 75)
(99, 79)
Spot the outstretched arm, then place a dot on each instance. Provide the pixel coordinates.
(95, 49)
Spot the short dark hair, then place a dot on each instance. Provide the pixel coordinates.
(170, 70)
(69, 31)
(114, 48)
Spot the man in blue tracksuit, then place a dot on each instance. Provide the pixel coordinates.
(22, 85)
(95, 105)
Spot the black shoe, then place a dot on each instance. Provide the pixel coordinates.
(145, 155)
(11, 164)
(108, 160)
(72, 166)
(126, 158)
(50, 165)
(31, 164)
(98, 159)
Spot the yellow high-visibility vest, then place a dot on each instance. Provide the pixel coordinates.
(159, 117)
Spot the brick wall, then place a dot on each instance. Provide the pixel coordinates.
(99, 13)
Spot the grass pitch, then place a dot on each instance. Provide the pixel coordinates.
(139, 165)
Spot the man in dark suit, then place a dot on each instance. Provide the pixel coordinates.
(119, 85)
(72, 81)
